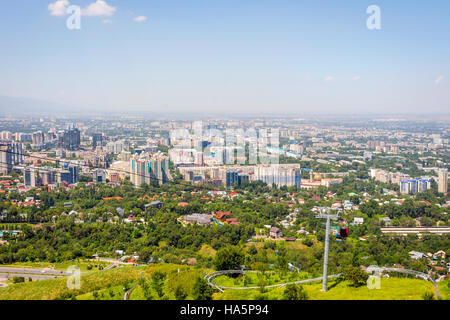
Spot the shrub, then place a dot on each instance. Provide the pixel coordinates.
(201, 290)
(18, 279)
(229, 258)
(356, 276)
(158, 279)
(295, 292)
(428, 295)
(180, 294)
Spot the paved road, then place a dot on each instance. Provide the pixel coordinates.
(128, 293)
(35, 271)
(27, 276)
(114, 261)
(211, 276)
(420, 275)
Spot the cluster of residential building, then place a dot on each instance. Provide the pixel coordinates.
(68, 139)
(435, 261)
(409, 185)
(382, 146)
(231, 176)
(406, 183)
(47, 176)
(147, 167)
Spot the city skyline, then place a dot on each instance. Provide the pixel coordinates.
(253, 57)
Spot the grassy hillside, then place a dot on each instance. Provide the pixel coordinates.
(109, 285)
(90, 282)
(391, 289)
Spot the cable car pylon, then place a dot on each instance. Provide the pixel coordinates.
(324, 214)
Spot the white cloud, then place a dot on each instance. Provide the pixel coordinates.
(439, 79)
(99, 8)
(58, 8)
(328, 78)
(140, 19)
(356, 78)
(107, 21)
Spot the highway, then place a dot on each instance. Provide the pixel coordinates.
(7, 273)
(36, 271)
(34, 277)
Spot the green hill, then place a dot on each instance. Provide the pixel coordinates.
(391, 289)
(110, 284)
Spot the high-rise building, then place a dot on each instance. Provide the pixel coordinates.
(5, 135)
(71, 138)
(6, 163)
(99, 176)
(414, 186)
(24, 137)
(42, 176)
(232, 178)
(69, 174)
(47, 176)
(164, 141)
(97, 140)
(280, 175)
(37, 139)
(29, 177)
(243, 177)
(139, 172)
(146, 168)
(160, 168)
(119, 146)
(11, 154)
(443, 180)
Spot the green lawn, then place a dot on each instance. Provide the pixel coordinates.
(253, 279)
(112, 293)
(391, 289)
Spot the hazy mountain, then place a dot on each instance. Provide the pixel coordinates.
(18, 106)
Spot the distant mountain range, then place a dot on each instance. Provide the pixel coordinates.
(19, 106)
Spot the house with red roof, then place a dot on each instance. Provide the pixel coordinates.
(183, 204)
(112, 198)
(222, 214)
(275, 233)
(232, 221)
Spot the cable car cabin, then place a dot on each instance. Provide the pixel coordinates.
(343, 232)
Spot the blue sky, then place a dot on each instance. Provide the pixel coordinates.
(235, 56)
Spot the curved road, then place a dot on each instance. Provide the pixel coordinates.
(209, 277)
(128, 293)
